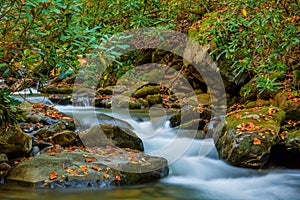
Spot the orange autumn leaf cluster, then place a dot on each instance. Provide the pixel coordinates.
(250, 126)
(53, 175)
(74, 171)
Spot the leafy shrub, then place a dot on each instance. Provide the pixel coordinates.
(9, 112)
(257, 37)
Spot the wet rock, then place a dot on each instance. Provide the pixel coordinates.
(14, 141)
(103, 135)
(292, 141)
(101, 168)
(48, 120)
(138, 104)
(61, 99)
(3, 158)
(54, 89)
(104, 91)
(247, 142)
(286, 153)
(27, 127)
(286, 102)
(154, 99)
(147, 90)
(188, 118)
(4, 167)
(58, 127)
(258, 103)
(33, 117)
(35, 150)
(64, 138)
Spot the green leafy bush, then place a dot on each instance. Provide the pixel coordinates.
(9, 112)
(257, 37)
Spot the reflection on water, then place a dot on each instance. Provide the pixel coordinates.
(156, 191)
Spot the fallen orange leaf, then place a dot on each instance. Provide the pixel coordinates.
(83, 167)
(53, 175)
(118, 178)
(75, 172)
(90, 160)
(95, 168)
(256, 141)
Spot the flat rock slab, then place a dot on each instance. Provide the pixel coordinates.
(98, 167)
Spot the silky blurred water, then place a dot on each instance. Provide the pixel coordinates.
(192, 175)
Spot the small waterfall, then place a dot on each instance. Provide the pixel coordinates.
(83, 101)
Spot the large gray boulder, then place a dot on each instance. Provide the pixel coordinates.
(99, 167)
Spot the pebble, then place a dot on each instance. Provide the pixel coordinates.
(3, 158)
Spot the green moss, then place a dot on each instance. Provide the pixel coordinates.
(293, 135)
(52, 89)
(265, 120)
(148, 90)
(154, 99)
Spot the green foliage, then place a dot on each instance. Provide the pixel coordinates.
(42, 38)
(9, 112)
(257, 37)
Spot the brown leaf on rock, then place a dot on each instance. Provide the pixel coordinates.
(118, 178)
(53, 175)
(88, 160)
(95, 168)
(83, 167)
(106, 176)
(256, 141)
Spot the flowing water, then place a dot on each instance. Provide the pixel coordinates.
(192, 175)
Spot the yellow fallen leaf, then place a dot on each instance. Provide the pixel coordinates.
(244, 12)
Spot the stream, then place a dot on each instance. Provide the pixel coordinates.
(192, 176)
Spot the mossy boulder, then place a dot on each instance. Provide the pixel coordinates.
(286, 153)
(289, 102)
(154, 99)
(104, 135)
(138, 104)
(64, 138)
(13, 141)
(292, 141)
(248, 135)
(54, 89)
(190, 118)
(147, 90)
(104, 91)
(258, 103)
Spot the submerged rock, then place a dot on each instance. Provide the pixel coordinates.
(101, 168)
(247, 142)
